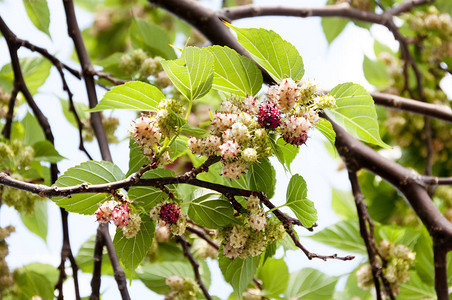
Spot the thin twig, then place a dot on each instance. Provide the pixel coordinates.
(97, 268)
(10, 114)
(367, 235)
(195, 265)
(85, 62)
(107, 76)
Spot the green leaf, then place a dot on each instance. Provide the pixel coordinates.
(416, 289)
(133, 95)
(211, 210)
(333, 27)
(37, 221)
(325, 127)
(39, 14)
(178, 147)
(261, 177)
(353, 290)
(376, 72)
(154, 275)
(80, 108)
(424, 258)
(147, 197)
(277, 56)
(444, 6)
(192, 74)
(355, 111)
(84, 258)
(380, 47)
(310, 284)
(35, 280)
(45, 151)
(90, 172)
(238, 272)
(284, 152)
(343, 235)
(275, 277)
(190, 130)
(34, 69)
(235, 73)
(136, 158)
(343, 204)
(132, 251)
(296, 199)
(151, 38)
(32, 129)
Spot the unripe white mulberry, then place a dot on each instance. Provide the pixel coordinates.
(364, 276)
(229, 149)
(325, 101)
(238, 236)
(211, 145)
(273, 93)
(133, 227)
(257, 219)
(250, 105)
(249, 155)
(221, 122)
(175, 282)
(230, 251)
(195, 145)
(306, 92)
(162, 234)
(145, 131)
(288, 92)
(228, 107)
(240, 132)
(234, 169)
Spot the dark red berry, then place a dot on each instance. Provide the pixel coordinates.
(170, 213)
(296, 140)
(269, 115)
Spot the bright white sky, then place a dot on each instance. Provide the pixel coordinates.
(329, 66)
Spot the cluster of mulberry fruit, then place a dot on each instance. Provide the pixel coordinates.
(251, 238)
(119, 214)
(184, 288)
(240, 129)
(150, 131)
(168, 215)
(399, 260)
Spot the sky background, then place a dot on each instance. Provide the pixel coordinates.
(328, 65)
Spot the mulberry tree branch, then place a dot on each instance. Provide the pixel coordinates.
(21, 86)
(195, 264)
(367, 234)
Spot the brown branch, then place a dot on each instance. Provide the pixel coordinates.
(340, 11)
(10, 114)
(432, 181)
(440, 263)
(107, 76)
(53, 59)
(97, 268)
(207, 22)
(203, 235)
(195, 265)
(287, 221)
(407, 181)
(367, 234)
(85, 62)
(118, 272)
(441, 112)
(20, 85)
